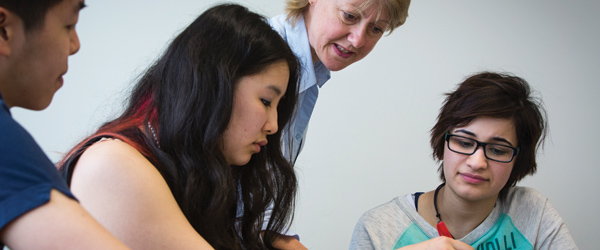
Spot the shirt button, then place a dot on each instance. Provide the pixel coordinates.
(298, 136)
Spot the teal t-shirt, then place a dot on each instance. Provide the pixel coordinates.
(504, 235)
(524, 220)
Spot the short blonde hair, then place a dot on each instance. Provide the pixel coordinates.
(397, 10)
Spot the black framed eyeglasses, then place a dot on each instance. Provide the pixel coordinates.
(493, 151)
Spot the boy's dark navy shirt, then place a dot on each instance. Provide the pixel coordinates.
(26, 174)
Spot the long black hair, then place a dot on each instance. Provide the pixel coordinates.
(187, 97)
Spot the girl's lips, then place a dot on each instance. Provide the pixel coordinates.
(260, 144)
(472, 178)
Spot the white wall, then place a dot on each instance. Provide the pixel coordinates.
(368, 139)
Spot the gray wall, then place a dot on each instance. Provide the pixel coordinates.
(368, 139)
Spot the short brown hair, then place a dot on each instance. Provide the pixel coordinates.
(397, 10)
(501, 96)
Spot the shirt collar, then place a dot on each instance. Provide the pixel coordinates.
(297, 38)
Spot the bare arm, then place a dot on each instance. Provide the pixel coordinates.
(59, 224)
(129, 197)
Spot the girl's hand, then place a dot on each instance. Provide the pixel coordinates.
(439, 243)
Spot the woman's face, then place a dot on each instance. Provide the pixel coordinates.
(254, 112)
(340, 33)
(474, 177)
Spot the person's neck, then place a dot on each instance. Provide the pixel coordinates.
(315, 58)
(462, 216)
(6, 102)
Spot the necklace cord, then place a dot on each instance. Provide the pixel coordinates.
(441, 226)
(435, 194)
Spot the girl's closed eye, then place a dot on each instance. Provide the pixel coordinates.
(498, 149)
(464, 143)
(266, 102)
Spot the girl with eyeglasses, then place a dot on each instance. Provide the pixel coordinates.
(486, 138)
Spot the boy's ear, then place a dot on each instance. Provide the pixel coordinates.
(8, 26)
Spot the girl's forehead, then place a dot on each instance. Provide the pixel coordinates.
(484, 127)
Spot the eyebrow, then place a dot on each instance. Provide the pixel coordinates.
(382, 21)
(361, 12)
(275, 89)
(496, 139)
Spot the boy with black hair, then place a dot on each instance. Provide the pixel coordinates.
(37, 210)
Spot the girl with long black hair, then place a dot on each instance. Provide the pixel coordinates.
(196, 156)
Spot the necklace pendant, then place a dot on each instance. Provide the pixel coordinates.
(443, 230)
